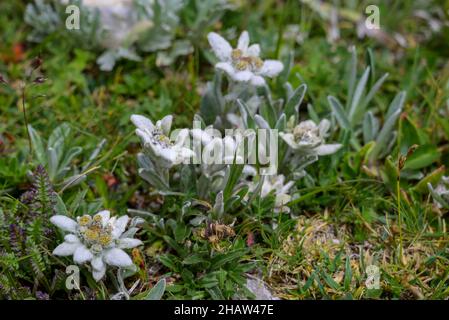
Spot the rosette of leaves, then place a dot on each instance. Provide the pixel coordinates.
(57, 156)
(357, 118)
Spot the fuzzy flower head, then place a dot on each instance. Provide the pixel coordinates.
(309, 138)
(118, 19)
(164, 151)
(243, 64)
(219, 152)
(97, 239)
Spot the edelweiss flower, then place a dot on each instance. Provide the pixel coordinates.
(243, 63)
(276, 183)
(309, 138)
(118, 19)
(221, 151)
(441, 193)
(97, 239)
(161, 149)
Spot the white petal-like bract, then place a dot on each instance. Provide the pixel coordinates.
(82, 255)
(66, 249)
(117, 257)
(64, 223)
(222, 49)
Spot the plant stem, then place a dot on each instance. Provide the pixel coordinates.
(26, 119)
(398, 190)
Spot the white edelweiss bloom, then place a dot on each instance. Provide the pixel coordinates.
(218, 152)
(309, 138)
(97, 239)
(243, 63)
(118, 20)
(155, 140)
(281, 191)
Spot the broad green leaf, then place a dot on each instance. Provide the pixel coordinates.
(38, 146)
(157, 291)
(423, 156)
(295, 100)
(433, 178)
(370, 127)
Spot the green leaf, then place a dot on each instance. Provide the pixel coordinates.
(396, 104)
(348, 274)
(59, 135)
(384, 135)
(157, 291)
(221, 259)
(194, 259)
(374, 90)
(151, 177)
(339, 113)
(172, 243)
(169, 262)
(181, 232)
(234, 175)
(409, 135)
(423, 156)
(247, 117)
(352, 75)
(433, 178)
(38, 146)
(61, 209)
(370, 127)
(68, 157)
(295, 100)
(212, 103)
(355, 108)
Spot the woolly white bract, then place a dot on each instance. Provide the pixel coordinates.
(97, 239)
(243, 63)
(155, 139)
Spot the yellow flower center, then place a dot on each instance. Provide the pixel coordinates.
(85, 220)
(91, 235)
(98, 218)
(242, 62)
(236, 54)
(105, 239)
(95, 235)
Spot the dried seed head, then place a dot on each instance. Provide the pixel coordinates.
(36, 63)
(412, 150)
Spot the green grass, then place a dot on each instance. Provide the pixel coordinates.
(351, 212)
